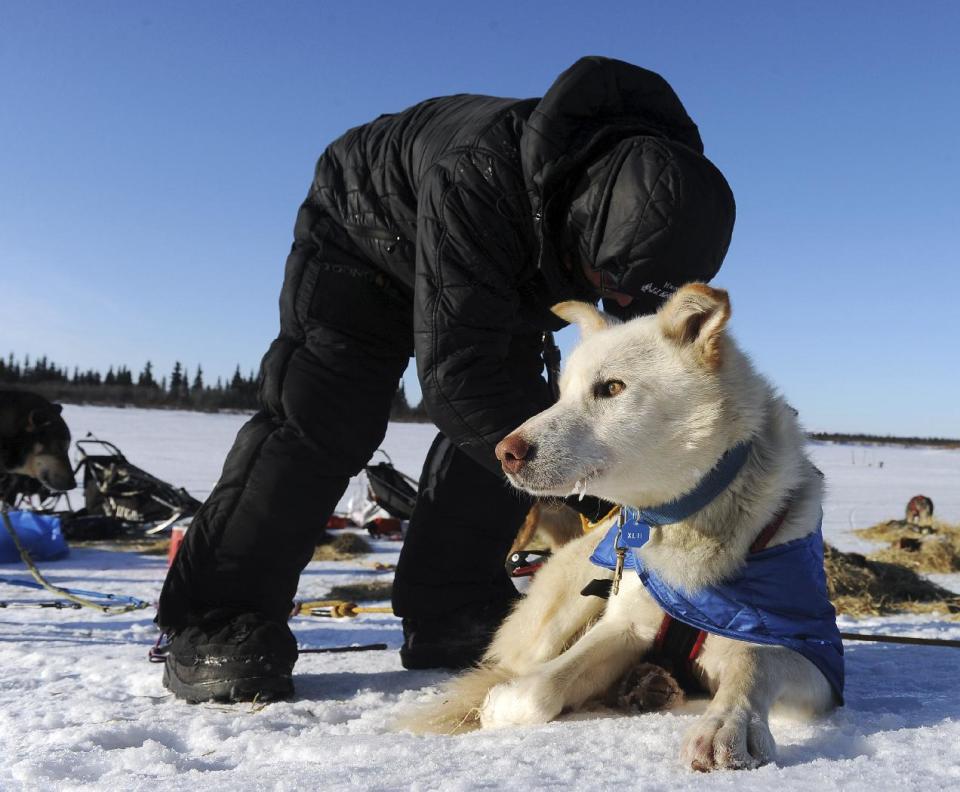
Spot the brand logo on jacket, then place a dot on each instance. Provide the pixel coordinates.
(666, 290)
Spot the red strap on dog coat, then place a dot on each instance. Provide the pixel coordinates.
(679, 633)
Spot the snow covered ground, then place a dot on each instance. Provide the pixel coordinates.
(81, 707)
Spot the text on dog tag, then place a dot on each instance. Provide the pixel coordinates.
(635, 534)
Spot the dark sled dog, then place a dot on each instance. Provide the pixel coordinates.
(34, 440)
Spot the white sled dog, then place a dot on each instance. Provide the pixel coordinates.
(647, 408)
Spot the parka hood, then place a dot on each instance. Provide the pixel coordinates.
(617, 179)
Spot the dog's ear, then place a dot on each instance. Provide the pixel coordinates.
(696, 315)
(584, 315)
(57, 408)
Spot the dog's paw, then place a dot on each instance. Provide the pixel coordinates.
(738, 739)
(519, 702)
(646, 688)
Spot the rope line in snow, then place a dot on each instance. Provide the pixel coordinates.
(336, 609)
(80, 598)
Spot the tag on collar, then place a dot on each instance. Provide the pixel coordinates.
(635, 533)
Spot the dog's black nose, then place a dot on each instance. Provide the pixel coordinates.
(513, 452)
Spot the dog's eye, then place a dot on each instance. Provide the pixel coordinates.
(608, 389)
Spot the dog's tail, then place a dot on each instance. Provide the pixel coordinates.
(456, 707)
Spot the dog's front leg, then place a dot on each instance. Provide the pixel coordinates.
(733, 733)
(553, 615)
(584, 671)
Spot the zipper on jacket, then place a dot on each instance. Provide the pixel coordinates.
(390, 237)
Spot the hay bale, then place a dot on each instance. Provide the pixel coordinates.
(892, 530)
(936, 554)
(861, 586)
(344, 547)
(375, 590)
(351, 544)
(925, 548)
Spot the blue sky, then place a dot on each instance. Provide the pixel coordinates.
(153, 155)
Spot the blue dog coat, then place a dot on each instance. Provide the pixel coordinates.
(780, 598)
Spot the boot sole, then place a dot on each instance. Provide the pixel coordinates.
(229, 691)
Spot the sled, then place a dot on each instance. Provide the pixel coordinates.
(115, 488)
(391, 490)
(117, 496)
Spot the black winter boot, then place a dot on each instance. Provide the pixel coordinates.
(456, 640)
(231, 657)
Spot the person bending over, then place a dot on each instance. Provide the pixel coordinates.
(446, 231)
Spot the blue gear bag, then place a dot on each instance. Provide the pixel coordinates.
(40, 534)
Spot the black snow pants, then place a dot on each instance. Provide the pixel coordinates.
(326, 386)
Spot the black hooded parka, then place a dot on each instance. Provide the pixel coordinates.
(447, 231)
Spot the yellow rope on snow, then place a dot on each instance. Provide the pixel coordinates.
(337, 609)
(342, 609)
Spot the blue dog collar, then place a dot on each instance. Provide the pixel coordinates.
(709, 487)
(635, 524)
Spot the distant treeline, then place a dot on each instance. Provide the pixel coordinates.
(120, 387)
(835, 437)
